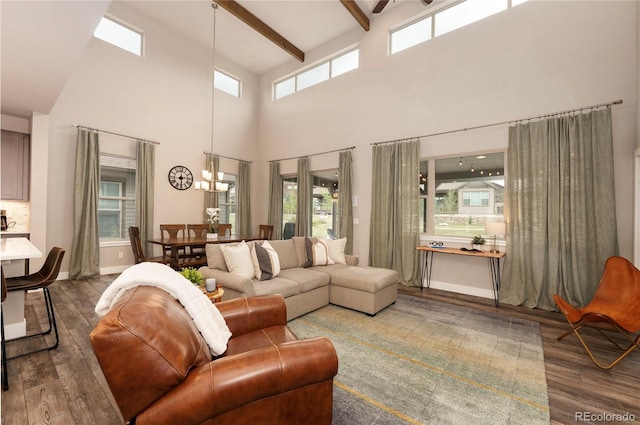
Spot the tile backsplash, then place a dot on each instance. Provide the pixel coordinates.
(17, 211)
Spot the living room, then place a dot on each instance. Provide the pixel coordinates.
(534, 59)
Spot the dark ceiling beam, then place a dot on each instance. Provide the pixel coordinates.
(254, 22)
(357, 13)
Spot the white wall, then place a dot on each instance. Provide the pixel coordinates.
(166, 97)
(537, 58)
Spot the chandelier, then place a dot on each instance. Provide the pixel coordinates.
(208, 183)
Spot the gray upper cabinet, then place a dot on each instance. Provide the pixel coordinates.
(16, 148)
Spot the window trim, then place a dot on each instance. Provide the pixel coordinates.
(327, 60)
(429, 233)
(228, 75)
(433, 15)
(127, 26)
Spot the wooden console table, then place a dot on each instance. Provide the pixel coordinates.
(493, 257)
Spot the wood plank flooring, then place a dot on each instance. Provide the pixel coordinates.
(66, 385)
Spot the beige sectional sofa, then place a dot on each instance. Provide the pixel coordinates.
(306, 287)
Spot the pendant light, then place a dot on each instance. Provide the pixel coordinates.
(208, 183)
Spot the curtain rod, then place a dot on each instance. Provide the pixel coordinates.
(568, 111)
(226, 157)
(116, 134)
(313, 154)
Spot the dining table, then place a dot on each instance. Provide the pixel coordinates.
(16, 249)
(179, 243)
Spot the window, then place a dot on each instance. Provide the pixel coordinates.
(226, 83)
(411, 35)
(227, 202)
(289, 205)
(330, 68)
(117, 198)
(468, 192)
(446, 20)
(119, 35)
(466, 13)
(325, 202)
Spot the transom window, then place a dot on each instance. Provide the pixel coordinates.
(119, 35)
(226, 83)
(330, 68)
(446, 20)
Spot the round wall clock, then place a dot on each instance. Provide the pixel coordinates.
(180, 177)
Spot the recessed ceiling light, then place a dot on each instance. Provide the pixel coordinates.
(481, 156)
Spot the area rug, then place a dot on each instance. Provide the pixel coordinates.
(426, 362)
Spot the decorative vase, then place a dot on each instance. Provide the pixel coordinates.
(212, 236)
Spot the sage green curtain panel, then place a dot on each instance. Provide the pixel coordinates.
(345, 207)
(274, 216)
(243, 199)
(562, 217)
(212, 164)
(303, 215)
(394, 231)
(145, 189)
(84, 260)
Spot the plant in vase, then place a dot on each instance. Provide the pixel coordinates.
(192, 275)
(477, 241)
(213, 215)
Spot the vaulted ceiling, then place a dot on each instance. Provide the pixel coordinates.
(43, 41)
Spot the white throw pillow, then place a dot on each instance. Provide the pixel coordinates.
(320, 254)
(266, 262)
(336, 249)
(238, 259)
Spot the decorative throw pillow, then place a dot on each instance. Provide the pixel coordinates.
(266, 263)
(336, 249)
(317, 253)
(238, 259)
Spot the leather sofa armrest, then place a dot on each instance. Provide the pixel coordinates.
(230, 382)
(225, 279)
(244, 315)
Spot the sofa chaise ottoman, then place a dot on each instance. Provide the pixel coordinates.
(307, 287)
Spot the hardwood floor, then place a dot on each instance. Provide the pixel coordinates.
(66, 385)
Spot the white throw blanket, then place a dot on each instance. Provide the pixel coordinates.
(205, 315)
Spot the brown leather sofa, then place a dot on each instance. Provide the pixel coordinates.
(160, 370)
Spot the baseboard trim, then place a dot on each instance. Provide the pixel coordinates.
(463, 289)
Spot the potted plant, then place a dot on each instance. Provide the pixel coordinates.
(192, 275)
(477, 240)
(213, 215)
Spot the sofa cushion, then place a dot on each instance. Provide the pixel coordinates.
(301, 249)
(215, 259)
(286, 253)
(266, 263)
(336, 249)
(238, 259)
(367, 279)
(317, 253)
(277, 285)
(307, 279)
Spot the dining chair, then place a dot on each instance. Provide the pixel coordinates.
(265, 231)
(40, 280)
(197, 252)
(138, 252)
(5, 376)
(224, 229)
(289, 230)
(615, 307)
(172, 231)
